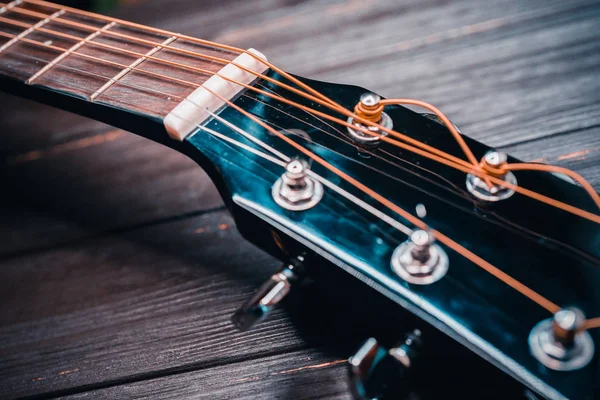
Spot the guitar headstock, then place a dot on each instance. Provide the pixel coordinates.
(501, 255)
(490, 265)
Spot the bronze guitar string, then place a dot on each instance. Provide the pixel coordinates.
(590, 323)
(478, 170)
(471, 258)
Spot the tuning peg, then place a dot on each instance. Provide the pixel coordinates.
(492, 160)
(268, 295)
(419, 260)
(369, 107)
(560, 344)
(375, 371)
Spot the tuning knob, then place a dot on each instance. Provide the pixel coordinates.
(268, 295)
(376, 371)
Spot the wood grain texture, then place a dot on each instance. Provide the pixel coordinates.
(117, 278)
(293, 375)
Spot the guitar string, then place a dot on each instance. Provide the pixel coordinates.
(480, 167)
(134, 25)
(519, 287)
(278, 110)
(523, 166)
(590, 323)
(472, 256)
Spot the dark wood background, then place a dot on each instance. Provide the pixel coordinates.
(119, 266)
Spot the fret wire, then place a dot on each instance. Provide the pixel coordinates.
(100, 60)
(69, 51)
(122, 36)
(131, 67)
(137, 26)
(8, 6)
(95, 74)
(30, 29)
(118, 49)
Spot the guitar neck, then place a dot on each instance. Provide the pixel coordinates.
(122, 73)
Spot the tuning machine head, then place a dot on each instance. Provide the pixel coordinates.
(375, 370)
(268, 295)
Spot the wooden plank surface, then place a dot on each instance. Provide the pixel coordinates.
(119, 267)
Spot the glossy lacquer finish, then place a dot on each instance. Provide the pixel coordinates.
(555, 253)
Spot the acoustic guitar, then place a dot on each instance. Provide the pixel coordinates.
(501, 255)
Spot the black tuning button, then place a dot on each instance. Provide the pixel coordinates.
(268, 295)
(378, 373)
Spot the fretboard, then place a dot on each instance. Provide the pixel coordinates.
(103, 60)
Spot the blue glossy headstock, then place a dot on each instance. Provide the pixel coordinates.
(553, 252)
